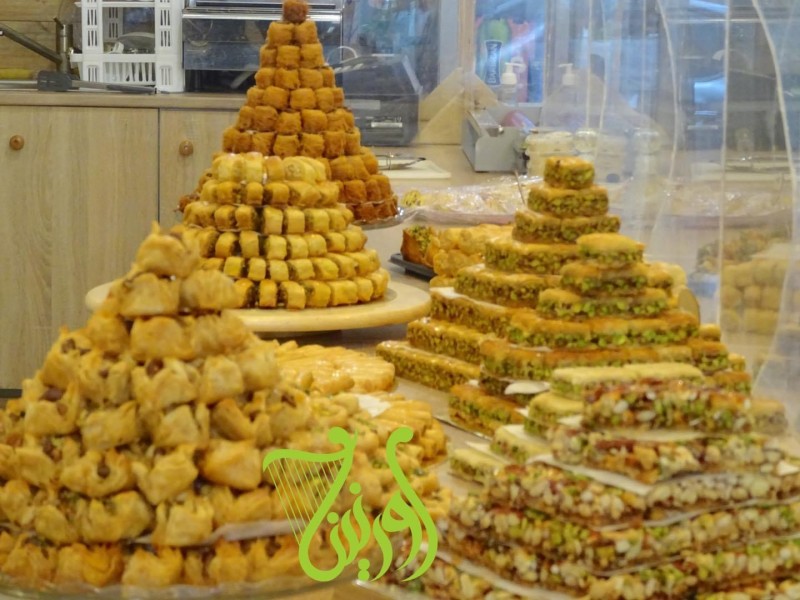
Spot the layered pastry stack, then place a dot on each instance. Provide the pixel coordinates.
(295, 109)
(664, 486)
(444, 349)
(135, 453)
(275, 226)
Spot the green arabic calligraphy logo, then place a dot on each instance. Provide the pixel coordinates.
(301, 479)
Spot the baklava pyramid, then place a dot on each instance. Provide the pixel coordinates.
(295, 109)
(135, 453)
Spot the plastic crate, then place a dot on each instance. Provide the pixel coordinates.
(102, 24)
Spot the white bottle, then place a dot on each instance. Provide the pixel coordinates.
(508, 85)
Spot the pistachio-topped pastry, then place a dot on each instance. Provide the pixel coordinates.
(610, 250)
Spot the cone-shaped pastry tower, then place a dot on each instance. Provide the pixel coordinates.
(144, 433)
(295, 109)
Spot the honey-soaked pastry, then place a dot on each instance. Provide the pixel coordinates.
(170, 474)
(341, 217)
(246, 218)
(311, 55)
(53, 525)
(316, 244)
(355, 239)
(246, 292)
(297, 246)
(206, 239)
(355, 191)
(276, 193)
(180, 426)
(273, 166)
(335, 241)
(250, 244)
(227, 245)
(165, 255)
(359, 168)
(305, 32)
(213, 264)
(277, 98)
(253, 167)
(352, 143)
(265, 118)
(186, 521)
(241, 142)
(160, 384)
(328, 76)
(263, 142)
(271, 221)
(300, 269)
(338, 97)
(256, 269)
(337, 120)
(124, 516)
(294, 220)
(342, 168)
(234, 267)
(98, 566)
(253, 194)
(288, 57)
(236, 464)
(329, 193)
(30, 560)
(291, 295)
(228, 192)
(380, 279)
(258, 366)
(147, 295)
(228, 167)
(158, 568)
(334, 143)
(302, 168)
(206, 290)
(303, 194)
(201, 213)
(325, 101)
(343, 292)
(317, 220)
(53, 412)
(310, 78)
(225, 217)
(347, 266)
(218, 334)
(228, 564)
(276, 247)
(104, 429)
(220, 377)
(278, 271)
(364, 289)
(289, 123)
(324, 269)
(107, 333)
(314, 121)
(318, 293)
(312, 145)
(159, 338)
(98, 474)
(245, 119)
(102, 379)
(267, 57)
(370, 162)
(255, 97)
(385, 185)
(265, 77)
(303, 99)
(374, 193)
(267, 294)
(286, 145)
(326, 166)
(367, 261)
(228, 420)
(35, 466)
(280, 34)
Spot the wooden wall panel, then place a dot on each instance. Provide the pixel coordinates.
(34, 18)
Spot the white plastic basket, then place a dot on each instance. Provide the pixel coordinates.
(102, 24)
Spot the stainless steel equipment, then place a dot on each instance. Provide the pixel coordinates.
(222, 38)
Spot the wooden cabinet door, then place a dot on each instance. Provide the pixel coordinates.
(188, 141)
(77, 199)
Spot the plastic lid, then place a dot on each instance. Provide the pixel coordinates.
(509, 76)
(569, 77)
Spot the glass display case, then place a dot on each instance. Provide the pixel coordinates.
(689, 109)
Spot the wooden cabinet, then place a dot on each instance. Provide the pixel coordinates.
(188, 141)
(78, 191)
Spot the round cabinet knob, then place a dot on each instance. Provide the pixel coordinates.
(17, 142)
(186, 148)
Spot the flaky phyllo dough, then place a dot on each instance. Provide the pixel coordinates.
(137, 447)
